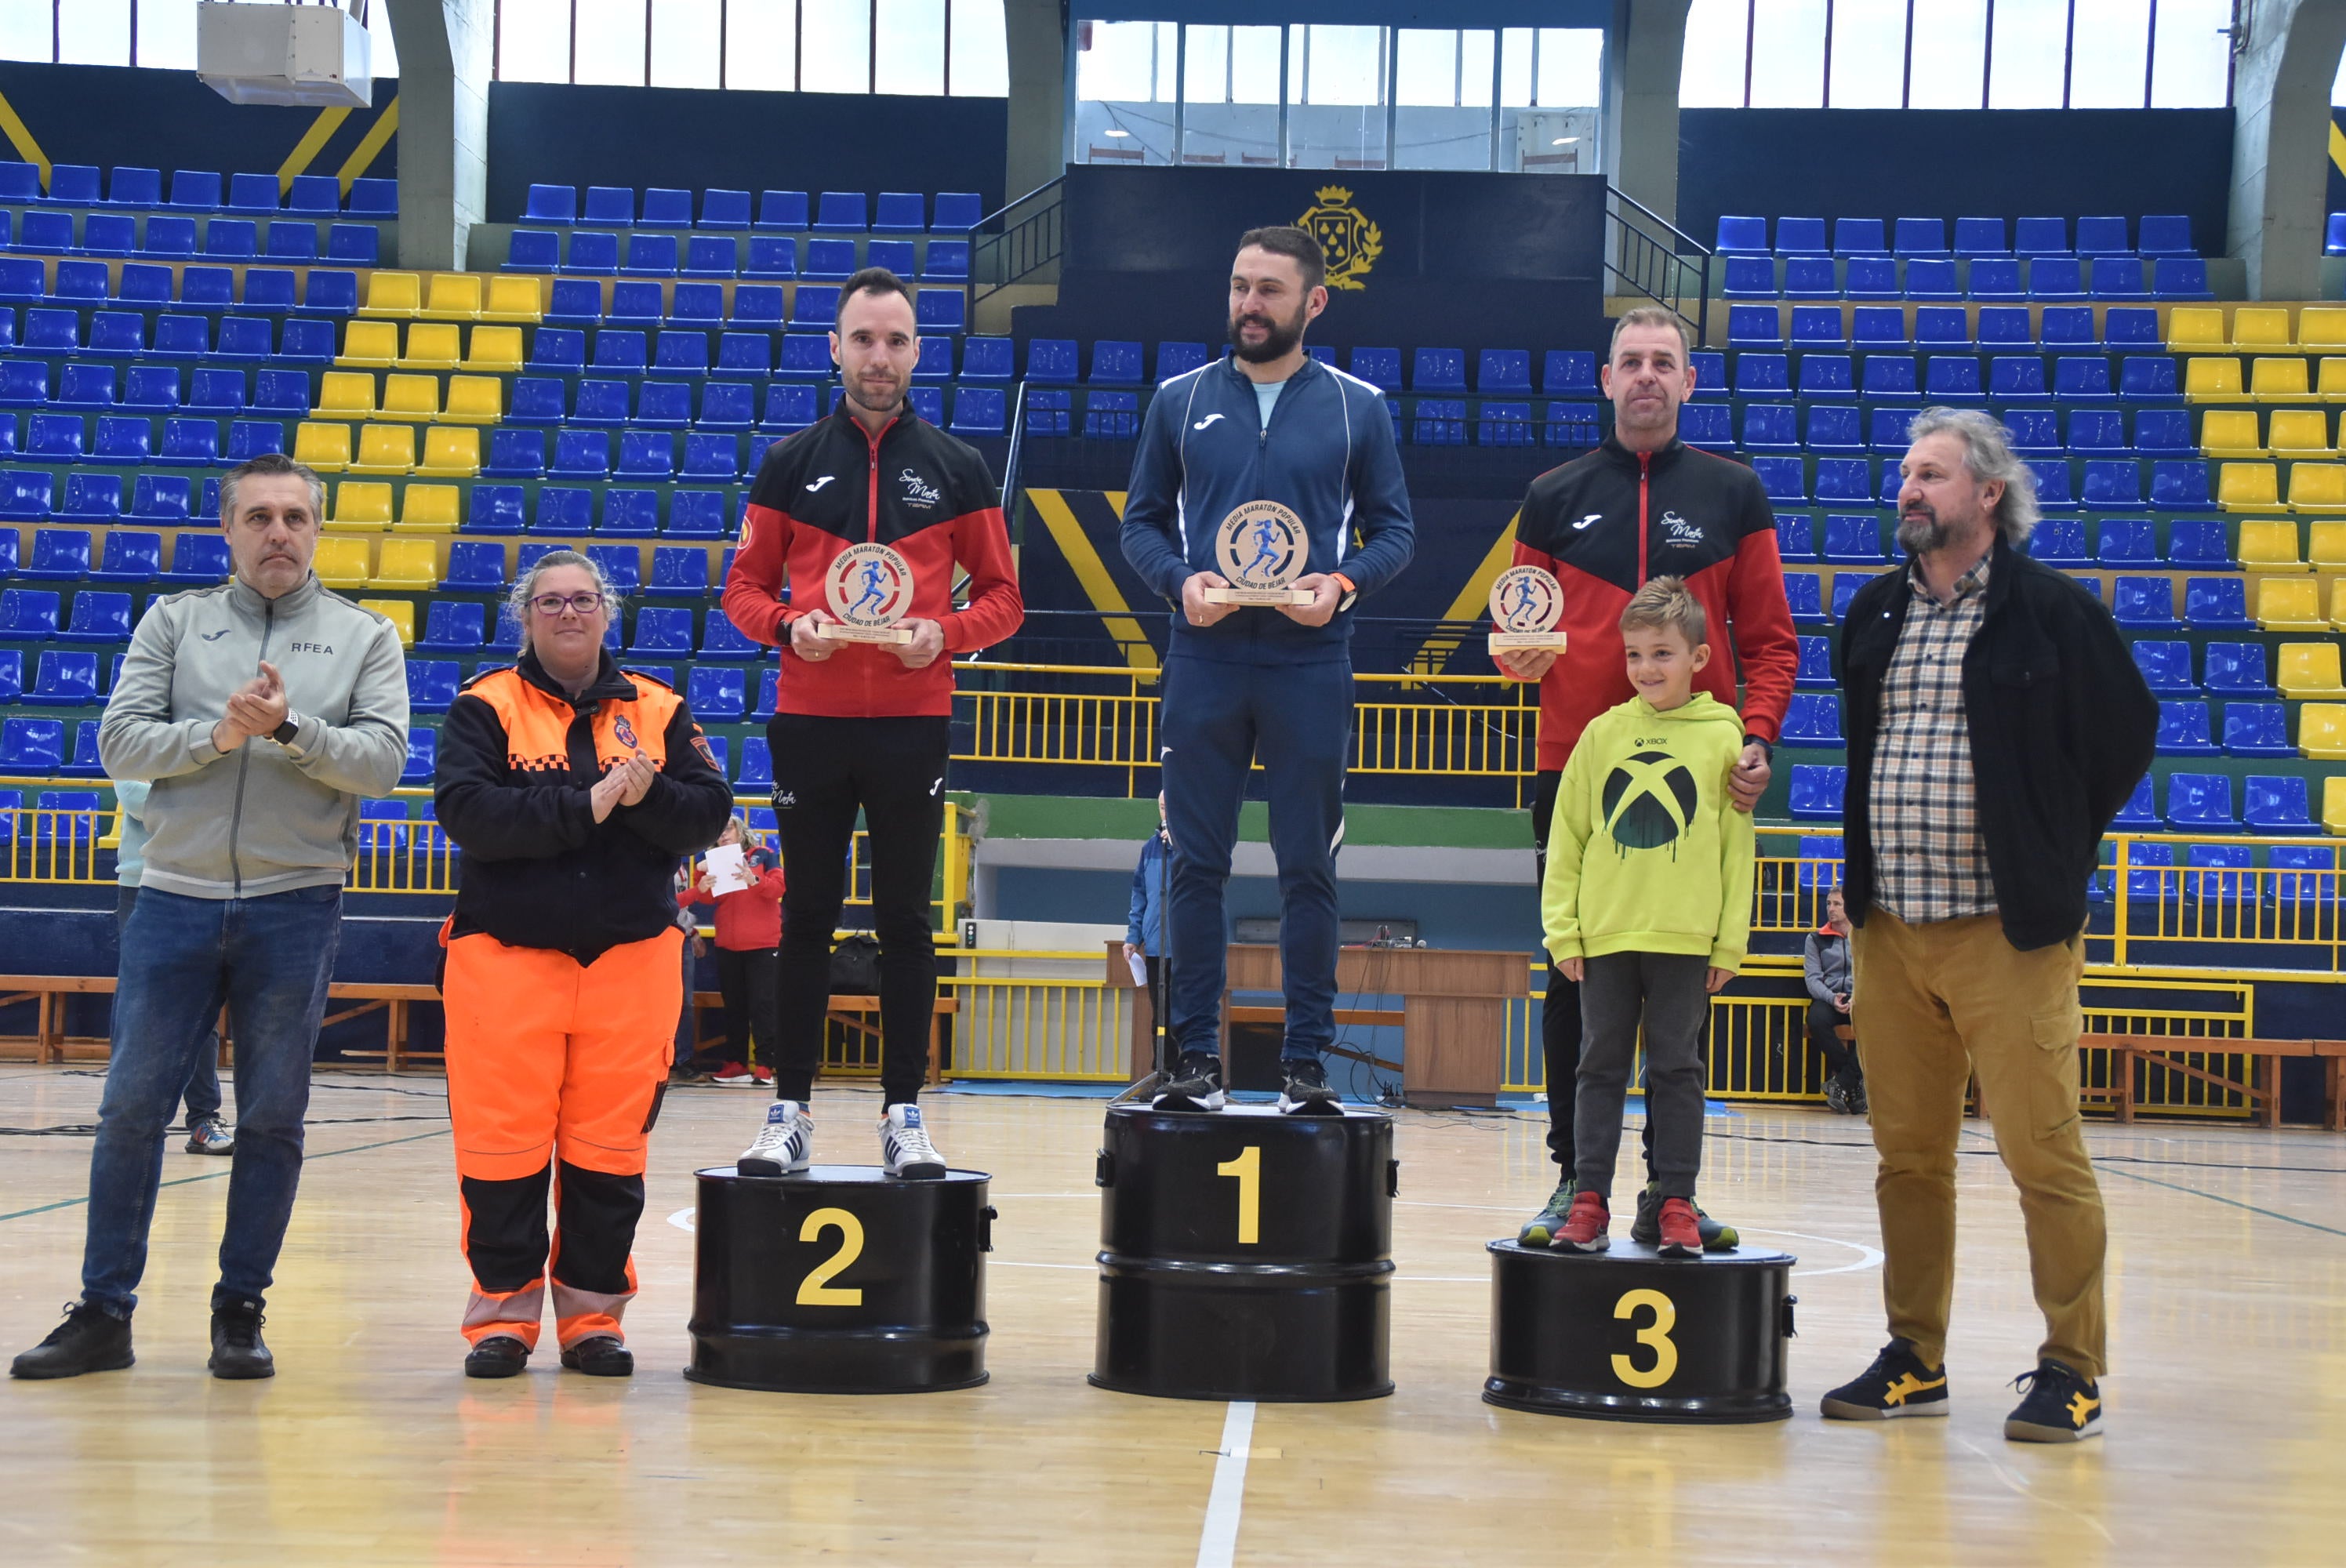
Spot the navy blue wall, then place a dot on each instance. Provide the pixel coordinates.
(110, 115)
(1955, 163)
(556, 134)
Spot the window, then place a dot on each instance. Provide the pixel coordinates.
(1787, 56)
(2115, 72)
(533, 40)
(1570, 63)
(1868, 69)
(761, 46)
(1718, 44)
(2191, 62)
(927, 47)
(1947, 61)
(607, 47)
(2027, 51)
(684, 37)
(977, 54)
(94, 33)
(912, 55)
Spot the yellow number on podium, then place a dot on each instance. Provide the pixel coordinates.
(817, 1289)
(1247, 1169)
(1654, 1336)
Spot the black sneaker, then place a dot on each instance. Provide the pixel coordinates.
(498, 1355)
(237, 1351)
(1897, 1384)
(1197, 1084)
(1837, 1097)
(1307, 1093)
(600, 1356)
(2056, 1406)
(1541, 1228)
(1646, 1228)
(1858, 1105)
(90, 1340)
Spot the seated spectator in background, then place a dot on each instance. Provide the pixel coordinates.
(1144, 922)
(208, 1132)
(1831, 982)
(684, 1065)
(749, 939)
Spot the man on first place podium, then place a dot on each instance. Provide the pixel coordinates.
(1266, 425)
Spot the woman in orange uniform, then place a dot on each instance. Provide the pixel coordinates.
(572, 789)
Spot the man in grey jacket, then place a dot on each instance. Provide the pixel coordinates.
(261, 711)
(1832, 981)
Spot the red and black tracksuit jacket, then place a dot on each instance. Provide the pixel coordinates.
(1607, 523)
(912, 488)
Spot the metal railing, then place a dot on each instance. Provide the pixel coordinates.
(1646, 254)
(1025, 236)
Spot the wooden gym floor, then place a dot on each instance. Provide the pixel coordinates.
(2228, 1409)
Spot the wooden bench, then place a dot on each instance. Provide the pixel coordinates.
(49, 1042)
(2261, 1088)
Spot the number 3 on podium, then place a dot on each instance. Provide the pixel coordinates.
(1247, 1169)
(817, 1289)
(1654, 1336)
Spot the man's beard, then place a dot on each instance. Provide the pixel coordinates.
(1921, 532)
(1279, 338)
(854, 395)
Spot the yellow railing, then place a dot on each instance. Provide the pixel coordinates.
(1069, 1026)
(45, 844)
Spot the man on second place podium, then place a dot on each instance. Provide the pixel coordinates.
(1268, 423)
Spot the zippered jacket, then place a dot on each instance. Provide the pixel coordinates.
(1826, 964)
(1645, 853)
(519, 759)
(263, 819)
(1611, 522)
(1328, 454)
(912, 488)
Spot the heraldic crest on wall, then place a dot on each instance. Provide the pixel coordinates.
(1353, 243)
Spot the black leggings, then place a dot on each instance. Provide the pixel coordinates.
(826, 770)
(1841, 1056)
(746, 979)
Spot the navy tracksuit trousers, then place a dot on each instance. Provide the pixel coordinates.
(1214, 721)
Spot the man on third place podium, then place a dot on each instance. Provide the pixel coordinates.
(865, 726)
(1268, 423)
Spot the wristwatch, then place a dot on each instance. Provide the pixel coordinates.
(284, 733)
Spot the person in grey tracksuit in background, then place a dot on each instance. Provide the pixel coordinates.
(261, 710)
(1832, 981)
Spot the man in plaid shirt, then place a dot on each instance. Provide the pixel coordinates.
(1996, 723)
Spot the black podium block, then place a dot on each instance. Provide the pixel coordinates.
(1631, 1336)
(844, 1280)
(1245, 1255)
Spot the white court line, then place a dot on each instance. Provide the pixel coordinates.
(1218, 1545)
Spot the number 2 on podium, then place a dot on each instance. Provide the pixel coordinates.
(817, 1289)
(1655, 1336)
(1247, 1169)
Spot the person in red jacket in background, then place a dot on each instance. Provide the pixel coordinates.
(749, 935)
(1643, 506)
(861, 726)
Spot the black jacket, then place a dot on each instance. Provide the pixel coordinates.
(2061, 723)
(518, 758)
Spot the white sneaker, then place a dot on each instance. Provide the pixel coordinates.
(784, 1146)
(904, 1147)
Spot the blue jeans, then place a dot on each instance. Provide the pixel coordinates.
(1216, 720)
(203, 1094)
(269, 960)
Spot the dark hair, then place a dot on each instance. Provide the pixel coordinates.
(265, 464)
(1296, 244)
(871, 280)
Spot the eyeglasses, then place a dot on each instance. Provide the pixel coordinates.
(581, 604)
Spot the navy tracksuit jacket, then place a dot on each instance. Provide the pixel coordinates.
(1256, 684)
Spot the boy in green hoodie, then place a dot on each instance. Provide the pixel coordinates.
(1647, 904)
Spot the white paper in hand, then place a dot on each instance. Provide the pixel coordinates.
(727, 868)
(1140, 971)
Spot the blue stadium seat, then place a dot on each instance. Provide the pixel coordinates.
(2113, 487)
(1178, 358)
(1819, 326)
(1748, 326)
(124, 438)
(2102, 236)
(839, 212)
(1981, 236)
(98, 617)
(1929, 279)
(551, 204)
(86, 388)
(2230, 883)
(1381, 368)
(957, 212)
(1504, 373)
(1749, 277)
(1826, 375)
(665, 405)
(1805, 592)
(292, 242)
(900, 212)
(609, 204)
(2146, 602)
(2041, 235)
(2055, 278)
(1116, 363)
(1572, 372)
(717, 696)
(181, 338)
(136, 187)
(245, 338)
(1801, 237)
(90, 498)
(946, 262)
(52, 332)
(1870, 278)
(2238, 669)
(789, 408)
(815, 305)
(678, 572)
(1813, 719)
(1050, 359)
(722, 640)
(250, 438)
(712, 256)
(662, 631)
(2176, 484)
(2166, 667)
(22, 278)
(1810, 277)
(115, 234)
(57, 436)
(1439, 371)
(1845, 588)
(757, 765)
(1509, 424)
(1942, 328)
(507, 637)
(1860, 236)
(707, 454)
(978, 411)
(1853, 539)
(431, 688)
(2183, 731)
(783, 209)
(475, 567)
(2067, 326)
(67, 680)
(2016, 376)
(604, 405)
(1762, 375)
(2217, 604)
(666, 208)
(2257, 729)
(1440, 421)
(1783, 478)
(516, 453)
(635, 304)
(2078, 377)
(1889, 375)
(2307, 874)
(534, 251)
(805, 357)
(2138, 814)
(231, 240)
(1111, 415)
(771, 256)
(1816, 671)
(1709, 426)
(423, 755)
(1741, 234)
(48, 233)
(2334, 236)
(35, 747)
(828, 260)
(2200, 801)
(940, 309)
(726, 405)
(2180, 278)
(1769, 427)
(452, 626)
(131, 556)
(724, 209)
(198, 560)
(168, 239)
(768, 688)
(621, 350)
(592, 253)
(2200, 543)
(332, 291)
(561, 509)
(757, 307)
(2163, 431)
(1796, 536)
(2119, 277)
(373, 198)
(1952, 379)
(1816, 789)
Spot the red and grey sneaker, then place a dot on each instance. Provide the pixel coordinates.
(1585, 1225)
(765, 1075)
(734, 1075)
(1681, 1235)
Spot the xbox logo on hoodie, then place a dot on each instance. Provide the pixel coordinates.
(1647, 800)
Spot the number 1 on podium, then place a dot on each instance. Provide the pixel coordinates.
(1248, 1170)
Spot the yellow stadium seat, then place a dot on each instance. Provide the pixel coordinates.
(324, 447)
(2270, 544)
(2289, 605)
(2317, 486)
(432, 346)
(2209, 380)
(360, 505)
(515, 299)
(407, 563)
(2329, 386)
(2321, 327)
(346, 394)
(410, 396)
(342, 561)
(428, 509)
(385, 449)
(2230, 433)
(2338, 604)
(2274, 379)
(2298, 433)
(2333, 799)
(454, 297)
(369, 343)
(392, 294)
(493, 349)
(399, 613)
(2326, 550)
(2310, 672)
(451, 452)
(474, 399)
(2261, 327)
(2194, 327)
(2248, 487)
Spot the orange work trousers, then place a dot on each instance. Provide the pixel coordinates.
(556, 1071)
